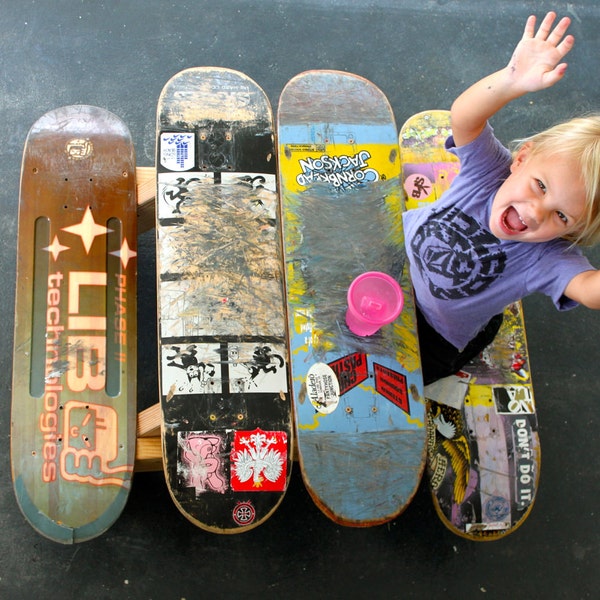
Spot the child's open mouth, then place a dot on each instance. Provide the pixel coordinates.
(512, 221)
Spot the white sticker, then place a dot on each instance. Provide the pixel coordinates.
(323, 388)
(177, 151)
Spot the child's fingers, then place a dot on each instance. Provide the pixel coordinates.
(565, 46)
(559, 31)
(545, 26)
(529, 27)
(555, 75)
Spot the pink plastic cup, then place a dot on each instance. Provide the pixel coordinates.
(374, 300)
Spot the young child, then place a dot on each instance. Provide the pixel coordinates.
(509, 225)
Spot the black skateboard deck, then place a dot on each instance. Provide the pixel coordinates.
(73, 409)
(226, 408)
(359, 406)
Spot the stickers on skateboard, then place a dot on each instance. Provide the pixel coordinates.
(483, 443)
(226, 408)
(73, 409)
(359, 406)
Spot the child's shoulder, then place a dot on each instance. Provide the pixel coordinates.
(484, 164)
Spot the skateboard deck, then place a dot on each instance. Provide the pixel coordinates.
(226, 408)
(73, 409)
(483, 443)
(359, 407)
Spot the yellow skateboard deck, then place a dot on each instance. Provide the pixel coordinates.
(483, 443)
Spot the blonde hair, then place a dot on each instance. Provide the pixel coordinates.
(578, 138)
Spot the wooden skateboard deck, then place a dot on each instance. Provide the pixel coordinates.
(226, 408)
(359, 407)
(483, 443)
(73, 410)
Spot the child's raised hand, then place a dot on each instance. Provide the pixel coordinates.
(536, 62)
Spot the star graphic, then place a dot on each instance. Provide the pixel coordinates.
(125, 253)
(88, 229)
(55, 248)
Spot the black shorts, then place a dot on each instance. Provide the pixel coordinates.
(439, 358)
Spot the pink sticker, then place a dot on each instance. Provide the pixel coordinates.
(200, 461)
(418, 186)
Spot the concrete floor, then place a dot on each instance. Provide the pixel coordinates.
(118, 54)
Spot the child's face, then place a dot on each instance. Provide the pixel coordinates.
(542, 199)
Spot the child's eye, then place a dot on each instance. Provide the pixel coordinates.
(541, 185)
(562, 217)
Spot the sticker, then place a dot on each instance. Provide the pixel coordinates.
(343, 172)
(305, 148)
(392, 385)
(259, 461)
(450, 391)
(323, 388)
(201, 464)
(190, 369)
(176, 192)
(514, 399)
(477, 527)
(350, 370)
(497, 509)
(177, 151)
(79, 148)
(525, 462)
(243, 513)
(418, 186)
(437, 471)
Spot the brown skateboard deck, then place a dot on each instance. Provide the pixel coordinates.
(226, 409)
(73, 409)
(483, 443)
(359, 406)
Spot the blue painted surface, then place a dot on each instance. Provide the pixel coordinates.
(362, 459)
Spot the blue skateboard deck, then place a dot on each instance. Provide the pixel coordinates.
(359, 407)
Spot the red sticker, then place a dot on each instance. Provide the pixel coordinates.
(244, 513)
(259, 461)
(350, 370)
(392, 385)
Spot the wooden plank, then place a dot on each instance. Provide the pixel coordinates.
(146, 196)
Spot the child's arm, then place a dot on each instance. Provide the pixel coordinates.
(534, 65)
(585, 289)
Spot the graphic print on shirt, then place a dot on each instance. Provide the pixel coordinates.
(456, 256)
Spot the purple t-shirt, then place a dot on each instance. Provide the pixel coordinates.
(462, 274)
